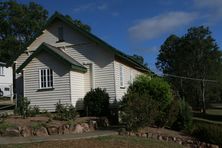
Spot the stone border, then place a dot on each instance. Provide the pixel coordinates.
(189, 142)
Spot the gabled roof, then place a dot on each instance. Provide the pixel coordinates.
(97, 40)
(94, 38)
(58, 53)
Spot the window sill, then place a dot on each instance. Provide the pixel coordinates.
(45, 89)
(122, 87)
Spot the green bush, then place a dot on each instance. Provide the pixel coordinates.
(65, 112)
(156, 87)
(96, 103)
(179, 116)
(33, 111)
(23, 107)
(207, 131)
(138, 110)
(158, 90)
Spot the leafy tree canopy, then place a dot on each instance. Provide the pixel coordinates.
(20, 23)
(195, 55)
(139, 59)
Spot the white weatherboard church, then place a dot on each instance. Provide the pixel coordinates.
(65, 62)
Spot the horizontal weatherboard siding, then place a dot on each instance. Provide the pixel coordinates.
(46, 99)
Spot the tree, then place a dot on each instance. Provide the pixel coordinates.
(19, 23)
(195, 55)
(139, 59)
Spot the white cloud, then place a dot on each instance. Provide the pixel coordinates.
(211, 9)
(154, 27)
(90, 7)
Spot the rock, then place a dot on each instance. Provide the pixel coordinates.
(11, 132)
(78, 129)
(150, 135)
(42, 131)
(85, 127)
(63, 130)
(160, 137)
(26, 132)
(52, 130)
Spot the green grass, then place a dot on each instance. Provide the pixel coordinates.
(101, 142)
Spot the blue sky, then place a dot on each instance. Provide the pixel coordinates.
(141, 26)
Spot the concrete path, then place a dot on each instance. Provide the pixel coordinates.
(19, 140)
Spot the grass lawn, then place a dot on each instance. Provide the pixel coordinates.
(101, 142)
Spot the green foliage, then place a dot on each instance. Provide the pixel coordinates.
(19, 23)
(33, 111)
(146, 102)
(139, 59)
(96, 103)
(4, 125)
(195, 55)
(207, 132)
(65, 112)
(183, 117)
(23, 107)
(37, 125)
(156, 87)
(138, 110)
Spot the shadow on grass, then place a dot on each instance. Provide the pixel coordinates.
(208, 116)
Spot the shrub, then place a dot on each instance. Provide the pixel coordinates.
(96, 103)
(138, 110)
(156, 87)
(180, 116)
(23, 107)
(207, 131)
(33, 111)
(65, 112)
(154, 90)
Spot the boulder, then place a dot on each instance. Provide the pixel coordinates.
(85, 127)
(63, 129)
(11, 132)
(78, 129)
(52, 130)
(42, 131)
(26, 132)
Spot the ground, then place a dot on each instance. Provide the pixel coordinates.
(101, 142)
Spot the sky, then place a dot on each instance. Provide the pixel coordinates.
(140, 27)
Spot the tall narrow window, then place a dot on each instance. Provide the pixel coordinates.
(60, 34)
(1, 70)
(121, 76)
(46, 78)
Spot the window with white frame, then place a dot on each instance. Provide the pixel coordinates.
(45, 78)
(121, 70)
(1, 70)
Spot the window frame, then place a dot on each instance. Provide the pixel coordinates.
(47, 75)
(2, 70)
(121, 76)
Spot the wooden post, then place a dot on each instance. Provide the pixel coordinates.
(203, 96)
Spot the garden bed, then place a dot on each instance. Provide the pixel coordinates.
(163, 134)
(44, 126)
